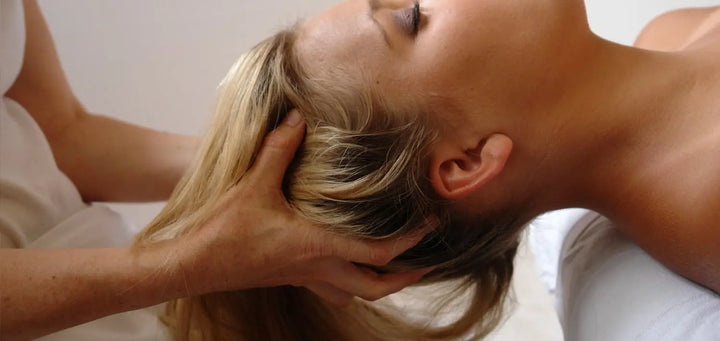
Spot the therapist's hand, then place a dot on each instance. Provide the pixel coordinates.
(258, 240)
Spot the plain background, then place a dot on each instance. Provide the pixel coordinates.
(157, 64)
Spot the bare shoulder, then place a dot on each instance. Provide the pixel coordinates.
(672, 30)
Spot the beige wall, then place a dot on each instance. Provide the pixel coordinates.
(157, 63)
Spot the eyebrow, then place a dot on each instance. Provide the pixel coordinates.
(373, 5)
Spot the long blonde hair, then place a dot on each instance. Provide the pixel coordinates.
(361, 171)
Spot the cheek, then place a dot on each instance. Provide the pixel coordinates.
(449, 51)
(445, 69)
(463, 43)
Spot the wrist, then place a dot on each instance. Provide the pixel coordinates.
(174, 266)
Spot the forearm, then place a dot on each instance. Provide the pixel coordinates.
(45, 290)
(110, 160)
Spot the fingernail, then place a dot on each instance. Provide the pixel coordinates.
(293, 118)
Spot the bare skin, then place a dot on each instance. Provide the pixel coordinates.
(524, 86)
(256, 240)
(87, 146)
(543, 114)
(49, 290)
(677, 191)
(680, 30)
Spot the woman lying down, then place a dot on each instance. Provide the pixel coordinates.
(473, 117)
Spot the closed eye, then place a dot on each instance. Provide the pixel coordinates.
(409, 19)
(416, 17)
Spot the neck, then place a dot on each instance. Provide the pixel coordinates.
(610, 123)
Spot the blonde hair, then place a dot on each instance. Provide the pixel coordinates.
(360, 172)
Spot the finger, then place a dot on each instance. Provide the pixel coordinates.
(376, 286)
(330, 294)
(278, 150)
(374, 252)
(365, 283)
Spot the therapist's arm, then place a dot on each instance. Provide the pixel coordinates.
(255, 240)
(106, 159)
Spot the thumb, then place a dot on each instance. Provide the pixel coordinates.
(278, 150)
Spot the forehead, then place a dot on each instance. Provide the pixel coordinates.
(344, 37)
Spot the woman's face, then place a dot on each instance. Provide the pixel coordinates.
(448, 55)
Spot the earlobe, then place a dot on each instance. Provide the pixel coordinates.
(456, 173)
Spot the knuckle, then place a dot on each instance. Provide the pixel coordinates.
(375, 290)
(344, 302)
(310, 250)
(316, 246)
(299, 282)
(326, 251)
(373, 296)
(380, 255)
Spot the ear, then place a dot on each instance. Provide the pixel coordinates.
(456, 173)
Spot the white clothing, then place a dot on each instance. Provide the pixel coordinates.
(40, 207)
(607, 288)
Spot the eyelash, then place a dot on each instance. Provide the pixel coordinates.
(409, 18)
(416, 17)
